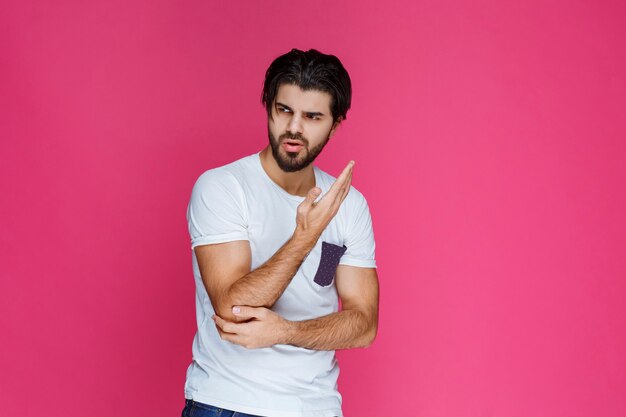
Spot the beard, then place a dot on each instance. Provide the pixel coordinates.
(294, 161)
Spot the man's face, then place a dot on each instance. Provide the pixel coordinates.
(300, 126)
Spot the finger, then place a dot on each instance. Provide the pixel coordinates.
(346, 171)
(247, 312)
(220, 332)
(342, 193)
(340, 181)
(232, 338)
(229, 337)
(225, 326)
(346, 190)
(311, 196)
(345, 185)
(345, 174)
(218, 322)
(218, 328)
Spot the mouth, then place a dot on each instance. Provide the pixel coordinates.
(292, 145)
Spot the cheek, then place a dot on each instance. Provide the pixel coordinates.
(274, 128)
(320, 133)
(278, 125)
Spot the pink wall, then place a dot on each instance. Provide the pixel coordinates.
(490, 142)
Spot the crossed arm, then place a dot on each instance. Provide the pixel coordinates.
(242, 298)
(354, 326)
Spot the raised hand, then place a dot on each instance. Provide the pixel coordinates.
(312, 218)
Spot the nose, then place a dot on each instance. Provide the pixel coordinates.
(295, 124)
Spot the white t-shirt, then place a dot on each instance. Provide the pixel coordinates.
(239, 201)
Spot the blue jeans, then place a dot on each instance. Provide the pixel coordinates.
(196, 409)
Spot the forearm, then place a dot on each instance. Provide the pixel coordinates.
(342, 330)
(264, 285)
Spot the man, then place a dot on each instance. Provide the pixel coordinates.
(276, 241)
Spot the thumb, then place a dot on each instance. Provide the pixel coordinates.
(246, 312)
(312, 195)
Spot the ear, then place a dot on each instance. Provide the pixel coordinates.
(335, 126)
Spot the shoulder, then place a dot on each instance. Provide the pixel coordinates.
(228, 177)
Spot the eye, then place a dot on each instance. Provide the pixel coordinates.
(313, 116)
(283, 110)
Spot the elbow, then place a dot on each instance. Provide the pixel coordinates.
(223, 307)
(369, 337)
(228, 299)
(225, 311)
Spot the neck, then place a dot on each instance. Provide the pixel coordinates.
(296, 183)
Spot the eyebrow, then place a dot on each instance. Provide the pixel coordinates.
(308, 113)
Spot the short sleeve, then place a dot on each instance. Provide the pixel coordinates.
(215, 213)
(359, 238)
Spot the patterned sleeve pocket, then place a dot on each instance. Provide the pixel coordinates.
(331, 254)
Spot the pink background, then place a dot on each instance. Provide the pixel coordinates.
(490, 142)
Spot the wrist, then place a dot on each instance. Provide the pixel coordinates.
(305, 238)
(287, 332)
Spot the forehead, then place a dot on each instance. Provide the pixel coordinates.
(299, 99)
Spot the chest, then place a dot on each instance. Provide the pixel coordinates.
(311, 292)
